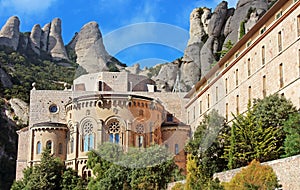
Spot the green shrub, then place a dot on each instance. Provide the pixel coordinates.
(254, 177)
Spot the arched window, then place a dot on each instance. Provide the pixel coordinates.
(49, 145)
(72, 145)
(114, 131)
(88, 136)
(60, 148)
(140, 136)
(176, 149)
(38, 147)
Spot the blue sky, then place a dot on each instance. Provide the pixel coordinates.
(117, 21)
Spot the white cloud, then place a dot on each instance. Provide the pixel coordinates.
(147, 11)
(26, 6)
(144, 33)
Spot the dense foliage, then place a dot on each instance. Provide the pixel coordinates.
(151, 168)
(205, 152)
(268, 130)
(49, 174)
(8, 148)
(292, 140)
(253, 177)
(24, 70)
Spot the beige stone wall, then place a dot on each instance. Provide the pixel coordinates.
(241, 85)
(172, 136)
(114, 81)
(41, 100)
(131, 111)
(23, 151)
(56, 136)
(287, 171)
(174, 103)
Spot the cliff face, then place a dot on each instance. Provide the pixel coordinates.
(87, 44)
(209, 31)
(90, 50)
(9, 34)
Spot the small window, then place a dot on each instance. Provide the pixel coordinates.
(140, 141)
(236, 77)
(249, 66)
(237, 104)
(279, 41)
(60, 148)
(176, 149)
(237, 54)
(38, 147)
(141, 113)
(194, 114)
(53, 108)
(49, 145)
(249, 43)
(100, 86)
(263, 55)
(200, 107)
(72, 145)
(264, 86)
(262, 30)
(169, 117)
(281, 75)
(226, 86)
(208, 101)
(226, 111)
(279, 14)
(298, 25)
(249, 93)
(217, 94)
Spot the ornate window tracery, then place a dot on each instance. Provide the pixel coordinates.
(114, 130)
(88, 135)
(140, 136)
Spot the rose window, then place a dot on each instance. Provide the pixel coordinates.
(88, 127)
(114, 127)
(140, 128)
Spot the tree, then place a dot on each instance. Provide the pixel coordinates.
(273, 111)
(292, 140)
(253, 177)
(251, 140)
(226, 48)
(49, 174)
(150, 168)
(205, 151)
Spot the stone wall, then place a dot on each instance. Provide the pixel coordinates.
(286, 169)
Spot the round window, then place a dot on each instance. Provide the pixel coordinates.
(53, 108)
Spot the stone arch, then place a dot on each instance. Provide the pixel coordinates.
(115, 128)
(87, 130)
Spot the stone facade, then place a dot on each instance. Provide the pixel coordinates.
(101, 107)
(265, 61)
(287, 171)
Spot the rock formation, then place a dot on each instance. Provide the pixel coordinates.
(214, 42)
(240, 14)
(90, 51)
(21, 110)
(56, 46)
(208, 32)
(9, 34)
(35, 38)
(45, 37)
(5, 79)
